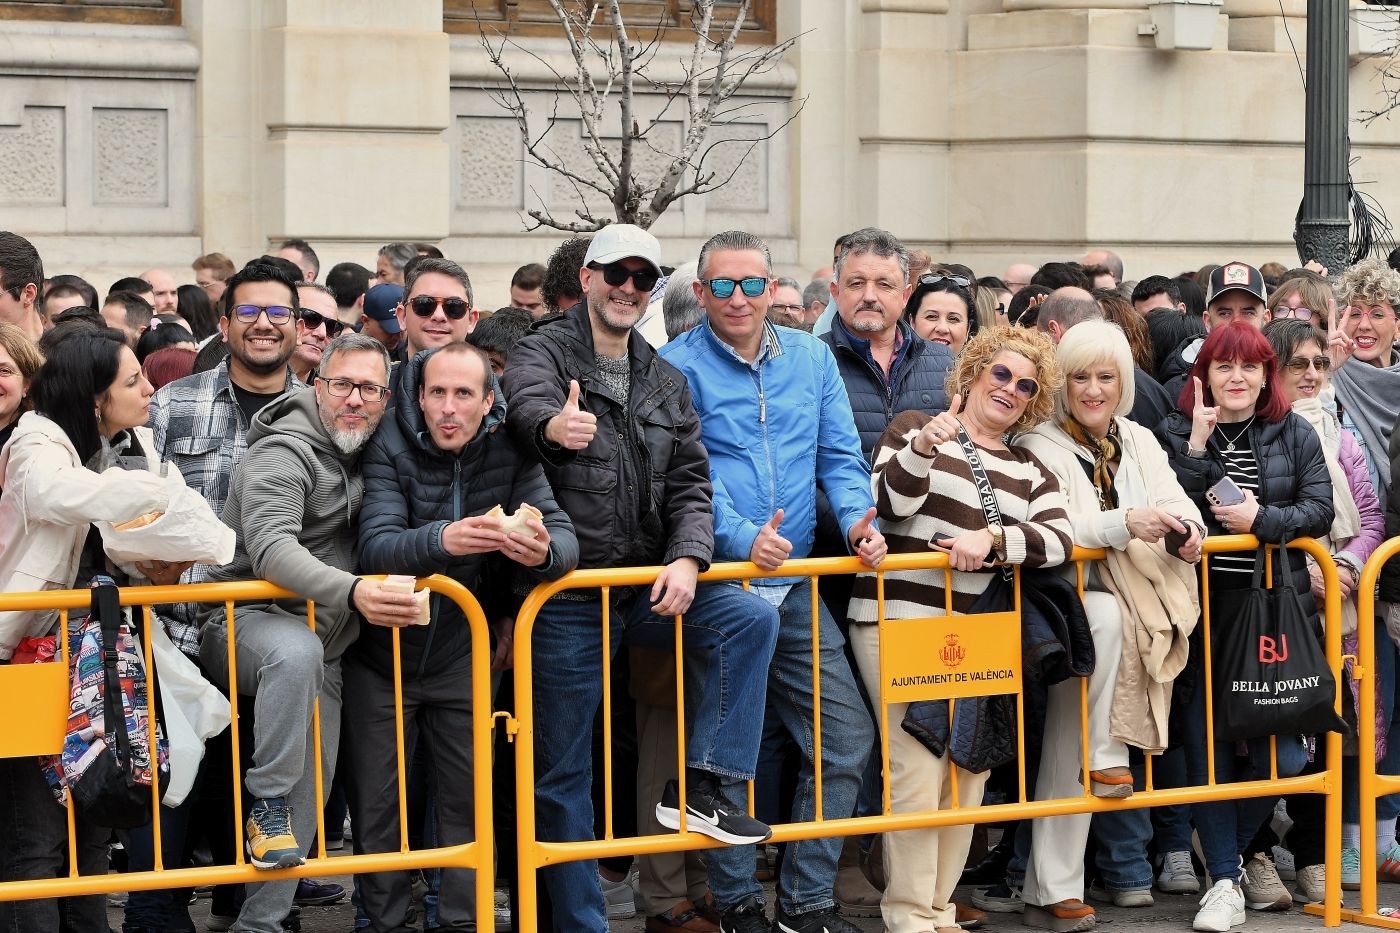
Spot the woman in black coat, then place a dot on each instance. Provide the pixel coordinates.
(1235, 422)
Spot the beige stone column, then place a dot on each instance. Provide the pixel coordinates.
(321, 119)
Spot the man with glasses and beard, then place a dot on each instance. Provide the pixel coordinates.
(614, 426)
(436, 309)
(294, 503)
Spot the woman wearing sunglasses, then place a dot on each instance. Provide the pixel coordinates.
(1234, 424)
(925, 483)
(1123, 497)
(941, 309)
(1357, 529)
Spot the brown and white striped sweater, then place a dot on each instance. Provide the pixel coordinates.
(919, 497)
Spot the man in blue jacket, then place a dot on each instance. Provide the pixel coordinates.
(776, 421)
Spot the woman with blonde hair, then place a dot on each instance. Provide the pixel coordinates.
(1141, 603)
(926, 475)
(20, 359)
(1305, 297)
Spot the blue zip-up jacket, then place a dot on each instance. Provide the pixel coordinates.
(776, 431)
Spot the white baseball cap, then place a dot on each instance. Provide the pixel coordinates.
(621, 241)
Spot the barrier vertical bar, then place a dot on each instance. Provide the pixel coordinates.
(152, 685)
(238, 840)
(1332, 844)
(820, 809)
(64, 638)
(884, 699)
(680, 723)
(1086, 781)
(607, 718)
(401, 751)
(316, 746)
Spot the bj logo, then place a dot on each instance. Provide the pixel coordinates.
(1271, 651)
(952, 653)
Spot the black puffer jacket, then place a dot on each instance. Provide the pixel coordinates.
(1390, 575)
(1295, 490)
(413, 490)
(639, 493)
(916, 382)
(1176, 367)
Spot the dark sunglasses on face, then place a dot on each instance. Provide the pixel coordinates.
(1025, 388)
(427, 305)
(615, 274)
(1299, 364)
(752, 287)
(314, 319)
(276, 314)
(933, 278)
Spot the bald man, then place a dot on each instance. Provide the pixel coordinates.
(1018, 276)
(1066, 307)
(1106, 258)
(163, 284)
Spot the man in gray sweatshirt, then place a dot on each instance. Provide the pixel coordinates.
(293, 503)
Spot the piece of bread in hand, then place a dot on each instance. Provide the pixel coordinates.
(517, 521)
(397, 583)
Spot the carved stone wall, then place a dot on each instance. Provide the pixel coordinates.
(97, 132)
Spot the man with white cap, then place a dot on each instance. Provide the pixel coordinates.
(619, 438)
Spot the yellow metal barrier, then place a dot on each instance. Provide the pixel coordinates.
(534, 853)
(475, 855)
(1373, 785)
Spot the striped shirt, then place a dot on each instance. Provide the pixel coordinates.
(1241, 467)
(919, 497)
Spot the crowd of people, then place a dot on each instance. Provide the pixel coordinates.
(624, 412)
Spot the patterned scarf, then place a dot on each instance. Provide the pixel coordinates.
(1106, 451)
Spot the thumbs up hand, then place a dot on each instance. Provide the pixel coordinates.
(573, 428)
(770, 549)
(867, 541)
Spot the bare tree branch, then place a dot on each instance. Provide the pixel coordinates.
(611, 62)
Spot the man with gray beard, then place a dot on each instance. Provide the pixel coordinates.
(293, 502)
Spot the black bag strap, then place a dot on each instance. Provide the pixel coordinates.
(986, 495)
(1283, 575)
(106, 608)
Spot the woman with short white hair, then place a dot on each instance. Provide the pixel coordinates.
(1141, 603)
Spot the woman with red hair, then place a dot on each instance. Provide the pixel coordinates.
(1235, 423)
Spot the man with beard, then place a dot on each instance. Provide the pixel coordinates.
(293, 503)
(614, 425)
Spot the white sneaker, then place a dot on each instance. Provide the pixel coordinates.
(1221, 908)
(1261, 886)
(1312, 883)
(617, 898)
(1178, 874)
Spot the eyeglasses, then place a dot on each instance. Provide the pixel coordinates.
(933, 278)
(795, 310)
(314, 319)
(427, 305)
(1025, 388)
(1302, 314)
(752, 287)
(341, 388)
(616, 274)
(1299, 364)
(276, 314)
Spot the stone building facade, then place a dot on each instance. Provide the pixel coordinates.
(145, 132)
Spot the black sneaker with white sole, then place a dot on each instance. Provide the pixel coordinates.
(706, 812)
(745, 917)
(817, 921)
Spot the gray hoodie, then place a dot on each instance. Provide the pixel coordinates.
(293, 503)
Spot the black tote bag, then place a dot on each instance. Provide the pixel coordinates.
(1269, 669)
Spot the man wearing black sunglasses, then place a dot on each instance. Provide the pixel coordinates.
(619, 438)
(436, 309)
(317, 326)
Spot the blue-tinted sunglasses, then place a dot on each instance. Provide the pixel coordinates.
(752, 287)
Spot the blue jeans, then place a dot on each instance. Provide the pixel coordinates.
(735, 628)
(1123, 837)
(1225, 827)
(1171, 824)
(809, 865)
